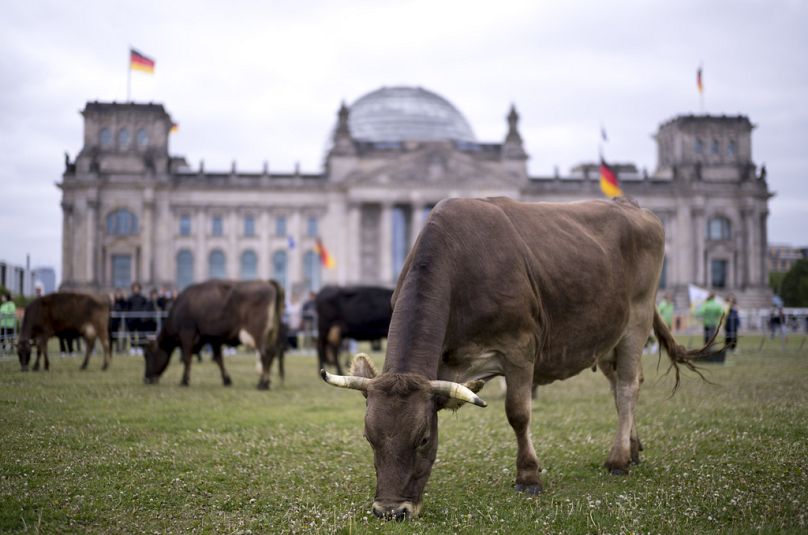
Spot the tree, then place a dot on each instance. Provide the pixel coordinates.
(795, 285)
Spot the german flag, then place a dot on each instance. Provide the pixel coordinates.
(699, 81)
(608, 181)
(325, 259)
(140, 62)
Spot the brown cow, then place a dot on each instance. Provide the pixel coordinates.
(64, 313)
(219, 312)
(532, 292)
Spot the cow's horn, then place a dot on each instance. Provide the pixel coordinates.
(346, 381)
(456, 391)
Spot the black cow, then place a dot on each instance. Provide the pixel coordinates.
(219, 312)
(357, 312)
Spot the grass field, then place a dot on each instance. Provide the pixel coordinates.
(101, 452)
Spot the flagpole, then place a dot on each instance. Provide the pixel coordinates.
(129, 77)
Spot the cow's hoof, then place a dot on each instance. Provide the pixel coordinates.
(35, 369)
(104, 367)
(184, 383)
(24, 368)
(263, 385)
(83, 367)
(227, 381)
(618, 472)
(530, 490)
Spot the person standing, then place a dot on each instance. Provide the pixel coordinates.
(137, 304)
(8, 321)
(710, 313)
(732, 325)
(665, 309)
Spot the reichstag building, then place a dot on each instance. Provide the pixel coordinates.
(132, 211)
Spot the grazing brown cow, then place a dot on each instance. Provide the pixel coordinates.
(63, 313)
(532, 292)
(219, 312)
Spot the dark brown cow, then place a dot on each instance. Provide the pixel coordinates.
(532, 292)
(218, 313)
(64, 313)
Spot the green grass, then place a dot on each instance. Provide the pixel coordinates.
(101, 452)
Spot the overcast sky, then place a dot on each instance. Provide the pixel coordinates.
(255, 81)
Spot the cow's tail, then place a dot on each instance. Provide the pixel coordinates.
(279, 306)
(678, 353)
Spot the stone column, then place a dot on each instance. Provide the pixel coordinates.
(199, 232)
(147, 240)
(698, 251)
(353, 260)
(91, 272)
(745, 259)
(294, 268)
(68, 253)
(386, 244)
(416, 221)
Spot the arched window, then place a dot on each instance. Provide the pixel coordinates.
(311, 227)
(401, 237)
(719, 228)
(715, 147)
(698, 146)
(249, 265)
(249, 225)
(123, 137)
(217, 264)
(142, 138)
(185, 268)
(663, 277)
(311, 271)
(105, 136)
(121, 222)
(280, 226)
(731, 148)
(279, 263)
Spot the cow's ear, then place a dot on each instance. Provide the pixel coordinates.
(362, 366)
(444, 402)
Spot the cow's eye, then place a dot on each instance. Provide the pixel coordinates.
(424, 441)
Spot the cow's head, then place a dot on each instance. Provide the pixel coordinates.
(156, 362)
(401, 425)
(24, 353)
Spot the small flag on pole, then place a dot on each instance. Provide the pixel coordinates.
(699, 81)
(608, 181)
(325, 259)
(603, 135)
(140, 62)
(291, 242)
(174, 128)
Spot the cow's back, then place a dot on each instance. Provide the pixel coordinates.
(65, 311)
(362, 312)
(567, 273)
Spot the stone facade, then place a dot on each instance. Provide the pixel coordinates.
(132, 211)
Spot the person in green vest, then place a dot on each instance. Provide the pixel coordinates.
(665, 309)
(8, 321)
(710, 313)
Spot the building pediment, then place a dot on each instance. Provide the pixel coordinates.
(438, 163)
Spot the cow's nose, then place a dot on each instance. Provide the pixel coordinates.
(393, 511)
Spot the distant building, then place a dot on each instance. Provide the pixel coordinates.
(15, 278)
(132, 211)
(781, 258)
(45, 276)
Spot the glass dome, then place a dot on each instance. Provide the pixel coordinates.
(393, 114)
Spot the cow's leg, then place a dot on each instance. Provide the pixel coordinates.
(217, 358)
(187, 346)
(281, 371)
(518, 405)
(635, 444)
(35, 367)
(625, 376)
(105, 345)
(89, 344)
(267, 355)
